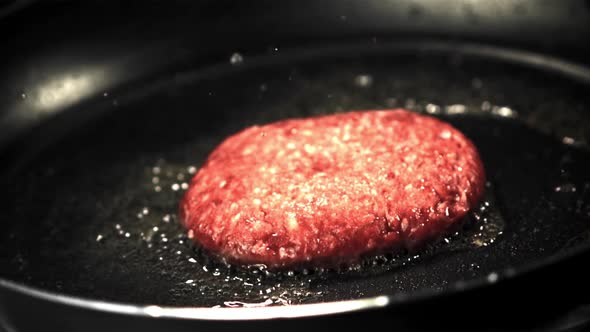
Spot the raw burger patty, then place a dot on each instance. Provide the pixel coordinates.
(331, 189)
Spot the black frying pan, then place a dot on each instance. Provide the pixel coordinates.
(90, 191)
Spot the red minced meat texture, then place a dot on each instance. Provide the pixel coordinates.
(332, 189)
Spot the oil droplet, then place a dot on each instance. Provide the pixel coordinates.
(476, 83)
(568, 140)
(390, 102)
(504, 112)
(432, 109)
(166, 218)
(410, 103)
(566, 188)
(239, 304)
(99, 238)
(492, 277)
(236, 59)
(192, 170)
(455, 109)
(175, 186)
(363, 80)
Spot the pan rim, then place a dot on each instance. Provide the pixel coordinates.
(571, 70)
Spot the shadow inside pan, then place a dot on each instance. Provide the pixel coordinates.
(94, 213)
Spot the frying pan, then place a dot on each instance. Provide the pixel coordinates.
(103, 124)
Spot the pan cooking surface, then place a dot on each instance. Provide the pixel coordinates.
(94, 214)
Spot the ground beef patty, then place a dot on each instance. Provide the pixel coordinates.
(332, 188)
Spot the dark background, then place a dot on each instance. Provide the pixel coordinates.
(43, 40)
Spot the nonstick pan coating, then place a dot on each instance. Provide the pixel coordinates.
(90, 198)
